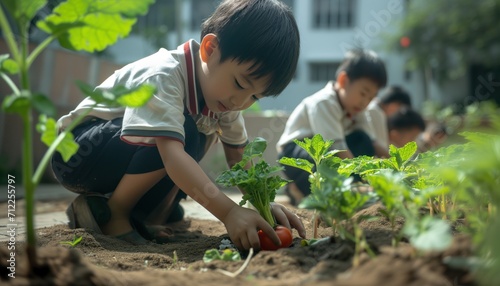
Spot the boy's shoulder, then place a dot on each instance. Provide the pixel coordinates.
(326, 95)
(162, 60)
(172, 65)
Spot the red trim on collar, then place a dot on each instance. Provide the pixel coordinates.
(192, 104)
(192, 98)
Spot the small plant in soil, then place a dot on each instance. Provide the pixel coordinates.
(258, 182)
(74, 243)
(80, 25)
(331, 193)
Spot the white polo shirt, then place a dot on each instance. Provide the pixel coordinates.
(321, 113)
(378, 121)
(173, 74)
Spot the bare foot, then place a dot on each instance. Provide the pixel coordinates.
(117, 226)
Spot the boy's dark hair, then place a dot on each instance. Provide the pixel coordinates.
(395, 94)
(263, 31)
(361, 63)
(405, 118)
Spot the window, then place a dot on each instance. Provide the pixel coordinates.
(200, 11)
(333, 14)
(322, 72)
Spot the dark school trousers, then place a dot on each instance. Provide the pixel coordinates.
(358, 141)
(103, 159)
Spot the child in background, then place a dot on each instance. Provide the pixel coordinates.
(337, 112)
(404, 126)
(390, 102)
(147, 157)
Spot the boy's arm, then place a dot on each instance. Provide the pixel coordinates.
(233, 154)
(380, 151)
(185, 172)
(281, 213)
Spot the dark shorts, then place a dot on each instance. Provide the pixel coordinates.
(103, 159)
(358, 142)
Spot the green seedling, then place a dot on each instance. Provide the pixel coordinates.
(331, 193)
(259, 184)
(75, 242)
(320, 152)
(224, 255)
(80, 25)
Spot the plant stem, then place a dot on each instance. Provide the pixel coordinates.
(27, 117)
(443, 205)
(34, 54)
(9, 36)
(29, 187)
(10, 83)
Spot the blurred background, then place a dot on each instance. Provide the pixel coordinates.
(445, 53)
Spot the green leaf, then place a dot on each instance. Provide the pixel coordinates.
(48, 127)
(43, 105)
(300, 163)
(395, 157)
(255, 148)
(23, 10)
(91, 25)
(226, 255)
(16, 103)
(428, 234)
(75, 242)
(406, 152)
(8, 65)
(136, 97)
(315, 147)
(119, 95)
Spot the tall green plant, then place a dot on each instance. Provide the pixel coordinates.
(82, 25)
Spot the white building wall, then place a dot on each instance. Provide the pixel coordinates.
(374, 19)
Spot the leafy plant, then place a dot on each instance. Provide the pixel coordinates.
(257, 182)
(331, 193)
(85, 25)
(319, 150)
(224, 255)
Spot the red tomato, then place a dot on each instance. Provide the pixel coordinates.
(284, 234)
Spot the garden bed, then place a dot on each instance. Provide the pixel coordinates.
(101, 260)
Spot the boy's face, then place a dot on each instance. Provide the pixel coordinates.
(356, 95)
(391, 108)
(227, 86)
(399, 138)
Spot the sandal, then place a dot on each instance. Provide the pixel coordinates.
(88, 211)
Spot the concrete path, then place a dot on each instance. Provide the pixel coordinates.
(192, 209)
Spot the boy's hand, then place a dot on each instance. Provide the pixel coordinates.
(242, 225)
(287, 218)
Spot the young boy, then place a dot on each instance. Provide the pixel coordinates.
(384, 106)
(143, 156)
(337, 112)
(404, 126)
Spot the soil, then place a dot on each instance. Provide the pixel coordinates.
(102, 260)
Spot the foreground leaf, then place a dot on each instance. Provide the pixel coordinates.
(48, 127)
(23, 11)
(93, 25)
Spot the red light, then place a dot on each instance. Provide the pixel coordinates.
(404, 42)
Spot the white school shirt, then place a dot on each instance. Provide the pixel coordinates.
(378, 121)
(321, 113)
(173, 74)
